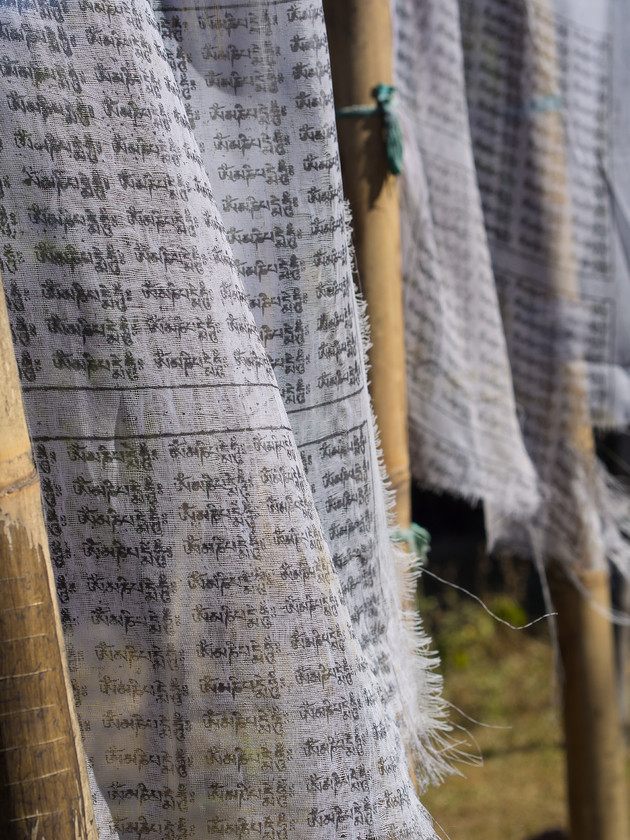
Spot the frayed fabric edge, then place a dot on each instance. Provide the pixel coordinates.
(432, 748)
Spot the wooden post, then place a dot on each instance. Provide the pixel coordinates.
(595, 770)
(44, 792)
(594, 743)
(360, 39)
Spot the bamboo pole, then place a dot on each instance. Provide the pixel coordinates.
(360, 39)
(595, 771)
(44, 792)
(594, 743)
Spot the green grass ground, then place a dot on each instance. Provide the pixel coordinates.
(504, 679)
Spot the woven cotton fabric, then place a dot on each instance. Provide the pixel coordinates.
(178, 279)
(552, 232)
(515, 243)
(463, 424)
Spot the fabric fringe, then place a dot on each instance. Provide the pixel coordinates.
(433, 752)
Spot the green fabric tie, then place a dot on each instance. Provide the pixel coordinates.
(392, 132)
(417, 539)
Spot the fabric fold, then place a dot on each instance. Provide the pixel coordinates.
(189, 345)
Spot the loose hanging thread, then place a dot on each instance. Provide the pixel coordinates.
(392, 132)
(418, 541)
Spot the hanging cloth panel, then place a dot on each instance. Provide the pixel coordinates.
(502, 380)
(230, 681)
(463, 426)
(541, 122)
(263, 116)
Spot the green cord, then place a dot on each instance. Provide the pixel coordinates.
(392, 132)
(418, 540)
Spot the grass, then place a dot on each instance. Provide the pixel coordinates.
(504, 679)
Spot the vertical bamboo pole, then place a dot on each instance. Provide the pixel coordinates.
(44, 793)
(594, 744)
(360, 39)
(595, 771)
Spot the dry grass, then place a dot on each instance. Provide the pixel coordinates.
(502, 678)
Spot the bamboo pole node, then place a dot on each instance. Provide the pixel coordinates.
(44, 790)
